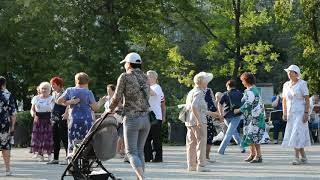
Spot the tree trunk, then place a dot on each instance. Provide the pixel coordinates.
(237, 58)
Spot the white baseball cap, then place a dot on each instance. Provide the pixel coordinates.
(294, 68)
(132, 58)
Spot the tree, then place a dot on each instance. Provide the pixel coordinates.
(301, 18)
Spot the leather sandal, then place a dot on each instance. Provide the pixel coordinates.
(250, 158)
(259, 160)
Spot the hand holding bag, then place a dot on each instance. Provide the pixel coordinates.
(183, 114)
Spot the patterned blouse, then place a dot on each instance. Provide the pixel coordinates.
(128, 87)
(7, 109)
(7, 105)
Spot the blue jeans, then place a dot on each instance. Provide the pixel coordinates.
(232, 124)
(135, 132)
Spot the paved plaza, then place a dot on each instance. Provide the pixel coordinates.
(276, 165)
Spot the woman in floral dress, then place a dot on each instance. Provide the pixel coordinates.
(254, 123)
(7, 122)
(81, 102)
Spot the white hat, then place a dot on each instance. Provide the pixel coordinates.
(207, 77)
(132, 58)
(294, 68)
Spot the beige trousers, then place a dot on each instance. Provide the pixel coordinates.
(196, 142)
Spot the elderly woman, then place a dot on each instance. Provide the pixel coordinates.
(133, 86)
(197, 123)
(82, 103)
(42, 140)
(7, 122)
(254, 123)
(296, 112)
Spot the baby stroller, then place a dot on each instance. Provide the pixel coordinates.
(99, 145)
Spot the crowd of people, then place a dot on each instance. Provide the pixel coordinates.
(66, 115)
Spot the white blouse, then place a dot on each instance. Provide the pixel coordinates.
(43, 104)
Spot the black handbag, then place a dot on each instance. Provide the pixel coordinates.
(152, 116)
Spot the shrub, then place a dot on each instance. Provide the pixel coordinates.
(23, 129)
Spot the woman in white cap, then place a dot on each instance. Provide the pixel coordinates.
(197, 123)
(296, 113)
(134, 87)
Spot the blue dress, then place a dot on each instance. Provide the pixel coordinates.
(7, 109)
(80, 116)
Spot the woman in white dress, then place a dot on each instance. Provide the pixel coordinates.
(296, 113)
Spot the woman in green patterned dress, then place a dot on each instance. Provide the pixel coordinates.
(254, 123)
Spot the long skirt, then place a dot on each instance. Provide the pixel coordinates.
(42, 137)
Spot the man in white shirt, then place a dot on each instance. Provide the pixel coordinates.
(157, 105)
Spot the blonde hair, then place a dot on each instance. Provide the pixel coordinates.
(44, 85)
(81, 78)
(218, 96)
(152, 73)
(199, 78)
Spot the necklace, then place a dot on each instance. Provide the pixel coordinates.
(292, 83)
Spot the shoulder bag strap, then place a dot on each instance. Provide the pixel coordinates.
(231, 105)
(141, 88)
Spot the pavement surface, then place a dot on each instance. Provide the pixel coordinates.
(276, 165)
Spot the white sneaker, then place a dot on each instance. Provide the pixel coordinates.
(50, 157)
(35, 156)
(296, 162)
(212, 160)
(202, 169)
(192, 169)
(8, 173)
(304, 160)
(41, 158)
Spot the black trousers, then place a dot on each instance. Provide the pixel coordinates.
(60, 133)
(154, 144)
(278, 125)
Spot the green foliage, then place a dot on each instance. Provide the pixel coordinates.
(258, 53)
(303, 22)
(23, 129)
(177, 38)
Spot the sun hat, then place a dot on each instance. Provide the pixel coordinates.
(294, 68)
(206, 77)
(132, 58)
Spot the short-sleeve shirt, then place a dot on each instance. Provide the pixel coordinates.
(295, 95)
(42, 104)
(235, 98)
(155, 101)
(82, 110)
(279, 106)
(7, 105)
(196, 98)
(107, 103)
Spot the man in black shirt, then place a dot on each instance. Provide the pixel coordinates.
(230, 100)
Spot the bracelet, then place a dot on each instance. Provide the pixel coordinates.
(306, 112)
